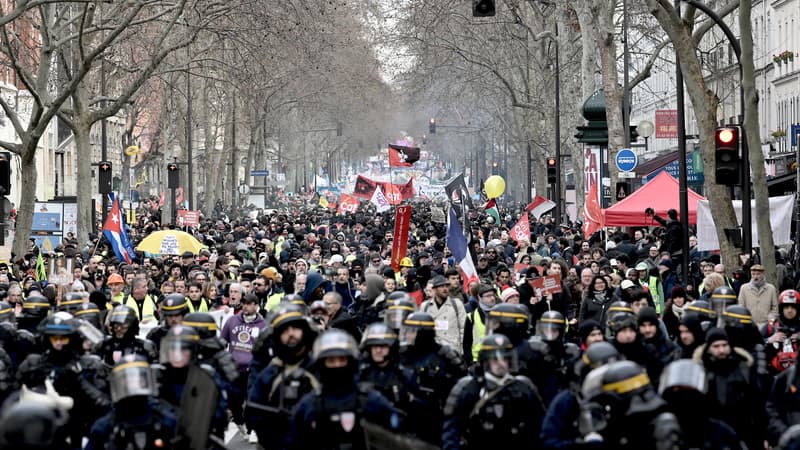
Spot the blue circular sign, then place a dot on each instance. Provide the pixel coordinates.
(626, 160)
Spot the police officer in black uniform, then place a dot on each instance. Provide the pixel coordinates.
(17, 343)
(81, 377)
(621, 410)
(173, 309)
(212, 349)
(436, 370)
(683, 386)
(34, 309)
(124, 339)
(138, 419)
(380, 369)
(493, 407)
(330, 418)
(277, 389)
(560, 425)
(553, 356)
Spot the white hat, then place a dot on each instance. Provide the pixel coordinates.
(337, 258)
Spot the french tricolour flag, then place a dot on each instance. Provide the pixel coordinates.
(458, 246)
(114, 231)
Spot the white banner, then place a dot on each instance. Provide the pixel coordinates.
(780, 214)
(380, 201)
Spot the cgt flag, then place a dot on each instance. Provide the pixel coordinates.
(592, 213)
(521, 231)
(402, 220)
(402, 156)
(347, 204)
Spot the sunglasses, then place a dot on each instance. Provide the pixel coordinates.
(258, 284)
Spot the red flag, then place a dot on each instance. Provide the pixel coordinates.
(161, 200)
(179, 196)
(592, 213)
(540, 205)
(402, 156)
(347, 204)
(402, 219)
(522, 229)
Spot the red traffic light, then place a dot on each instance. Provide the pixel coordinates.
(172, 167)
(726, 135)
(551, 162)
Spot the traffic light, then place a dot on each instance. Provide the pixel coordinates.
(726, 156)
(5, 173)
(432, 126)
(338, 128)
(483, 8)
(104, 177)
(551, 171)
(173, 176)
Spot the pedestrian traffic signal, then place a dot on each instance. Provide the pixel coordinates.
(551, 171)
(432, 126)
(726, 156)
(338, 128)
(104, 177)
(483, 8)
(5, 173)
(173, 176)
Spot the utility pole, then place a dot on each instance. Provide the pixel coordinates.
(189, 157)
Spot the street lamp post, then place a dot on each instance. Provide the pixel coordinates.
(645, 129)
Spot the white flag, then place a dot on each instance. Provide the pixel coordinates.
(379, 200)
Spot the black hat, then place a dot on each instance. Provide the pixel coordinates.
(648, 315)
(439, 281)
(716, 334)
(586, 328)
(187, 254)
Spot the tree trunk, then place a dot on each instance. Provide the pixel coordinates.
(27, 198)
(761, 213)
(588, 87)
(705, 106)
(84, 190)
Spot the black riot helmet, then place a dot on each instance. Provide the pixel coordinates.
(378, 333)
(551, 326)
(618, 317)
(7, 312)
(497, 356)
(683, 386)
(737, 316)
(333, 343)
(296, 300)
(174, 305)
(90, 313)
(132, 377)
(721, 298)
(418, 331)
(125, 316)
(596, 355)
(398, 309)
(509, 319)
(71, 303)
(179, 347)
(60, 326)
(36, 306)
(203, 323)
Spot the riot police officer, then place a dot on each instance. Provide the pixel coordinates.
(493, 407)
(34, 309)
(211, 349)
(17, 343)
(178, 359)
(511, 320)
(124, 339)
(436, 369)
(331, 418)
(276, 390)
(173, 309)
(380, 369)
(683, 386)
(553, 357)
(398, 309)
(560, 424)
(81, 377)
(138, 419)
(621, 410)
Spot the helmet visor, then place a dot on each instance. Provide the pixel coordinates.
(176, 352)
(499, 362)
(395, 315)
(130, 379)
(548, 331)
(408, 335)
(683, 374)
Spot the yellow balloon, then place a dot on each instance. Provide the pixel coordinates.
(494, 186)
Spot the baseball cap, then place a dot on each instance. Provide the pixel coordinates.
(627, 284)
(642, 266)
(336, 259)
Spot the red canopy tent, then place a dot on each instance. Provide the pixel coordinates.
(661, 193)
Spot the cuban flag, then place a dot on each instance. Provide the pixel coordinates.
(458, 246)
(114, 231)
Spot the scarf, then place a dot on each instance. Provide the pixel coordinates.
(678, 311)
(759, 284)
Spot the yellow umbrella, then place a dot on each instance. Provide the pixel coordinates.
(170, 242)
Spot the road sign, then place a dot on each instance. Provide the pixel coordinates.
(259, 173)
(795, 133)
(623, 175)
(626, 160)
(244, 189)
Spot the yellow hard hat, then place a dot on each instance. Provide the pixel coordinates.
(406, 262)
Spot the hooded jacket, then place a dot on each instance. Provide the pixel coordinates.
(313, 281)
